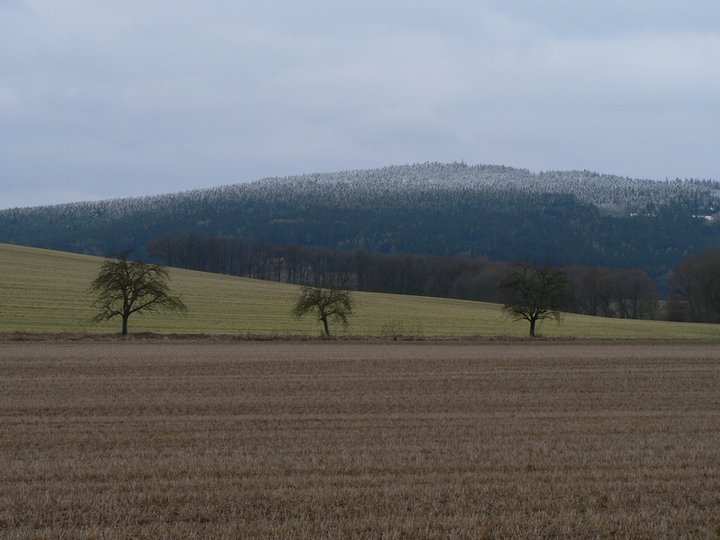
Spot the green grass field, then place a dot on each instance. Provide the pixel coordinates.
(47, 291)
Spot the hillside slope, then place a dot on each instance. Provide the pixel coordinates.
(438, 209)
(47, 291)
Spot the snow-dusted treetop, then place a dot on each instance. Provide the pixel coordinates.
(615, 194)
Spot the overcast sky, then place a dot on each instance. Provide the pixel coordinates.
(106, 99)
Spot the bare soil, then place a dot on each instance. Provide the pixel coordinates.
(398, 440)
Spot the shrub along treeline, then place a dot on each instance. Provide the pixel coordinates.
(594, 291)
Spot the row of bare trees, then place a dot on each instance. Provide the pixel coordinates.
(528, 291)
(359, 269)
(627, 294)
(621, 293)
(124, 287)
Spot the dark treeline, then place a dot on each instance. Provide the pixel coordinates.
(695, 289)
(628, 294)
(594, 291)
(362, 270)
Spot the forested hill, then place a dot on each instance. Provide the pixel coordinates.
(439, 209)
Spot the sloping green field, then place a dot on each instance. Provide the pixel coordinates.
(47, 291)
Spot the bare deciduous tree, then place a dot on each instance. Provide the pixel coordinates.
(324, 304)
(124, 287)
(534, 292)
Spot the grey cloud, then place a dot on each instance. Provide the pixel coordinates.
(116, 99)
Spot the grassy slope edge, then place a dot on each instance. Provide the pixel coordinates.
(47, 291)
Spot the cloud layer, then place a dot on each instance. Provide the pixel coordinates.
(106, 99)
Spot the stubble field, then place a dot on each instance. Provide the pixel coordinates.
(396, 440)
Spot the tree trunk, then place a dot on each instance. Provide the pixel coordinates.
(325, 324)
(125, 325)
(532, 327)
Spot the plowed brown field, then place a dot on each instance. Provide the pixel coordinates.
(206, 439)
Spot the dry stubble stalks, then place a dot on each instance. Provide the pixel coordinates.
(156, 439)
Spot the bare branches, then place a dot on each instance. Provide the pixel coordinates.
(124, 287)
(324, 303)
(534, 292)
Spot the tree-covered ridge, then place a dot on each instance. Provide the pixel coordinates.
(621, 194)
(432, 208)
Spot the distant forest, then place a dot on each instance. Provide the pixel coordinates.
(428, 210)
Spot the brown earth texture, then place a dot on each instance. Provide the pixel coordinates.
(202, 439)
